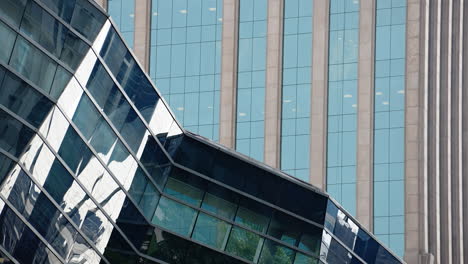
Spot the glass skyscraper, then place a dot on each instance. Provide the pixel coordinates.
(94, 167)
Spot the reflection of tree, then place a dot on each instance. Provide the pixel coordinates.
(272, 253)
(243, 244)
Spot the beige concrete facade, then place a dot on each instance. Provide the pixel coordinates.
(141, 45)
(365, 127)
(227, 124)
(318, 116)
(273, 83)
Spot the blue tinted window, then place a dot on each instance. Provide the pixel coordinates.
(342, 101)
(389, 101)
(122, 13)
(297, 86)
(185, 60)
(251, 78)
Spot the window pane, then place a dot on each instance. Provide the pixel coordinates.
(12, 10)
(251, 219)
(211, 231)
(24, 100)
(274, 253)
(244, 244)
(184, 191)
(33, 64)
(8, 37)
(219, 206)
(14, 136)
(174, 216)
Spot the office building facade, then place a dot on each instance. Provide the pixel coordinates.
(362, 98)
(94, 168)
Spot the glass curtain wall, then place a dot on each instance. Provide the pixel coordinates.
(123, 14)
(185, 60)
(297, 86)
(389, 120)
(251, 78)
(342, 101)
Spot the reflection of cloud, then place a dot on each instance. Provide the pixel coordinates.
(212, 9)
(378, 93)
(348, 96)
(183, 11)
(242, 114)
(180, 108)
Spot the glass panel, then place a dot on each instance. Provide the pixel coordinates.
(24, 100)
(8, 37)
(33, 64)
(183, 191)
(219, 206)
(211, 231)
(174, 216)
(244, 244)
(14, 136)
(251, 219)
(303, 259)
(274, 253)
(12, 10)
(86, 19)
(5, 166)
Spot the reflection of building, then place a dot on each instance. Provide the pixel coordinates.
(95, 169)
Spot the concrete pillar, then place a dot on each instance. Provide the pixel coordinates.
(445, 132)
(416, 176)
(456, 133)
(141, 45)
(274, 83)
(318, 116)
(227, 125)
(365, 132)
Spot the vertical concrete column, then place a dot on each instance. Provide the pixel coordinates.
(319, 104)
(273, 83)
(464, 126)
(416, 179)
(365, 132)
(456, 133)
(227, 125)
(102, 3)
(141, 45)
(445, 132)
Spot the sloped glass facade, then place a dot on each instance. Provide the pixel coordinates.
(95, 169)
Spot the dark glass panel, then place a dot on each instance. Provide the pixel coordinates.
(87, 19)
(116, 246)
(183, 191)
(285, 228)
(63, 9)
(33, 64)
(253, 215)
(130, 76)
(61, 79)
(74, 151)
(6, 165)
(24, 100)
(144, 193)
(8, 37)
(86, 117)
(219, 206)
(12, 10)
(274, 253)
(58, 181)
(18, 240)
(174, 216)
(43, 28)
(155, 161)
(14, 136)
(197, 254)
(168, 247)
(244, 244)
(134, 225)
(313, 209)
(303, 259)
(211, 231)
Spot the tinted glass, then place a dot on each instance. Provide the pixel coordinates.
(211, 231)
(12, 10)
(274, 253)
(14, 136)
(8, 37)
(174, 216)
(244, 244)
